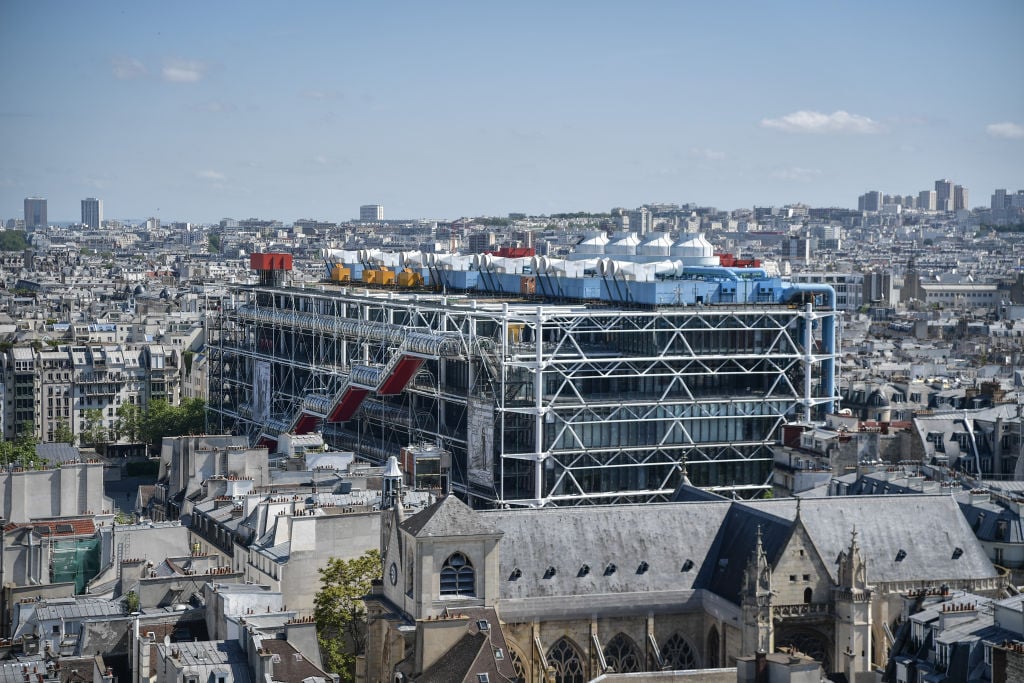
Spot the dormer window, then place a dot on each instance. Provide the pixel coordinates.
(457, 576)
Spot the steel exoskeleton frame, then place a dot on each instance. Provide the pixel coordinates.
(538, 403)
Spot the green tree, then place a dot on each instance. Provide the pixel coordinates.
(340, 613)
(129, 422)
(22, 450)
(191, 416)
(213, 241)
(162, 419)
(93, 431)
(13, 240)
(62, 433)
(131, 601)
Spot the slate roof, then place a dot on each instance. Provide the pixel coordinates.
(473, 654)
(206, 658)
(447, 517)
(78, 609)
(990, 520)
(56, 453)
(718, 537)
(293, 667)
(453, 665)
(734, 545)
(664, 536)
(927, 527)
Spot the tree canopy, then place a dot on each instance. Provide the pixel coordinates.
(93, 431)
(62, 433)
(22, 450)
(129, 422)
(162, 419)
(340, 613)
(13, 240)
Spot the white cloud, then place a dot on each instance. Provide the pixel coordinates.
(182, 71)
(706, 154)
(1007, 129)
(210, 175)
(816, 122)
(128, 68)
(796, 174)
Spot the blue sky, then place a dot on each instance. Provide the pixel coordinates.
(198, 111)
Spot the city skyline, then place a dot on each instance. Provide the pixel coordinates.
(457, 109)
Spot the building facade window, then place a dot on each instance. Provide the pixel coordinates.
(457, 576)
(622, 655)
(678, 654)
(713, 648)
(567, 662)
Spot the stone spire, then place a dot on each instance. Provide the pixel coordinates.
(852, 567)
(756, 601)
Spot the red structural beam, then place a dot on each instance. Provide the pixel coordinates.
(404, 371)
(348, 405)
(306, 423)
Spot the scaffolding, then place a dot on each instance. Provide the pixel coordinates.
(75, 561)
(538, 403)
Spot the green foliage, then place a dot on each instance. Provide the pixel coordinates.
(493, 220)
(93, 432)
(213, 241)
(162, 419)
(22, 451)
(62, 433)
(13, 240)
(340, 613)
(129, 422)
(131, 601)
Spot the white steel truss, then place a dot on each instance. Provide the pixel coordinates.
(537, 403)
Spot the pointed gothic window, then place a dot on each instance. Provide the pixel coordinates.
(678, 654)
(622, 655)
(712, 660)
(567, 661)
(457, 577)
(517, 664)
